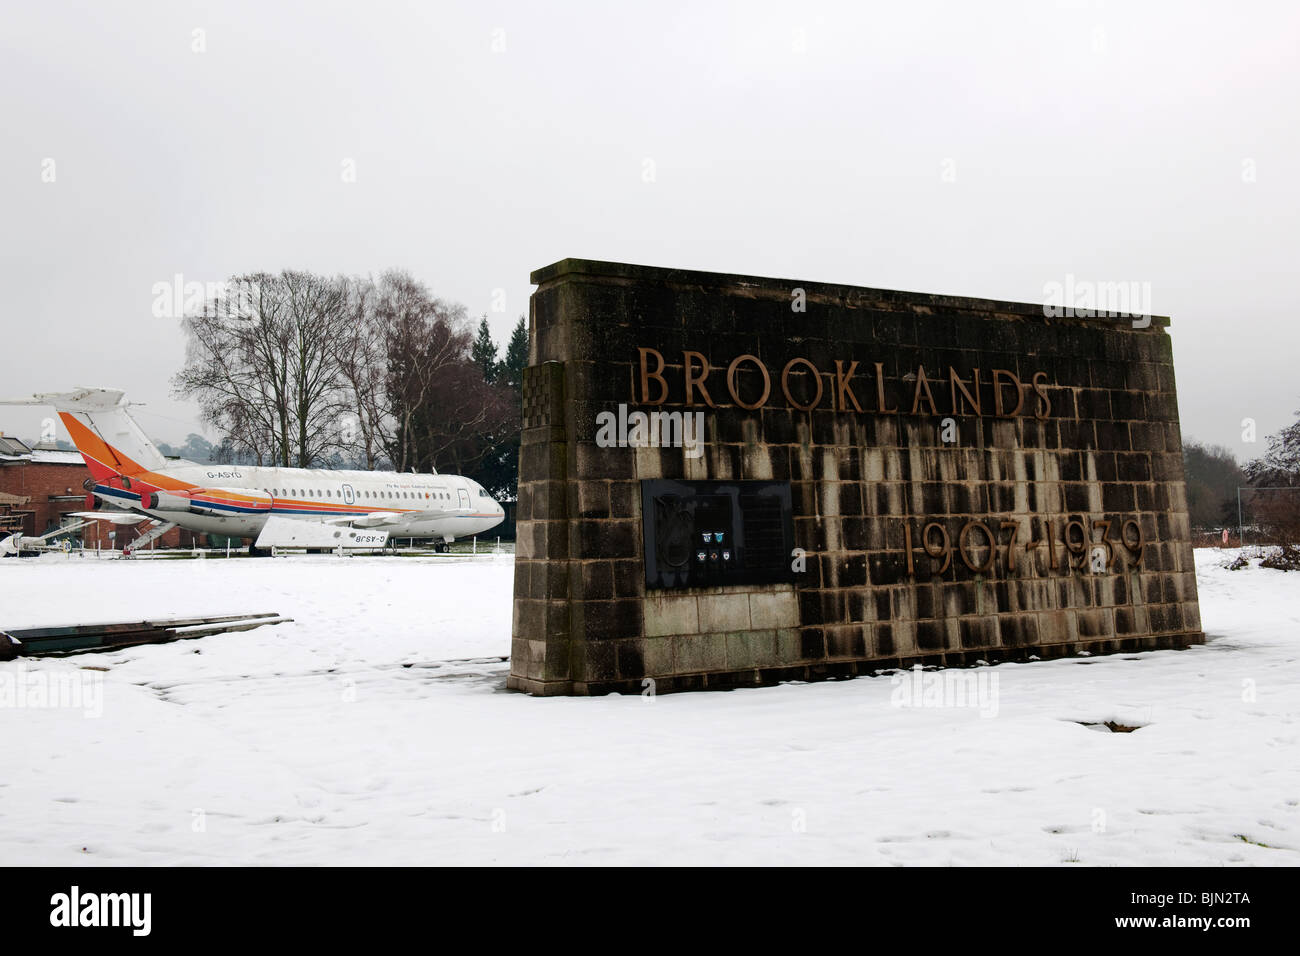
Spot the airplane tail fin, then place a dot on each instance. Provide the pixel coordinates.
(103, 430)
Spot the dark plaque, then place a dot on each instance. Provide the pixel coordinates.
(716, 533)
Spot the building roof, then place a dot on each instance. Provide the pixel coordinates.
(52, 457)
(13, 446)
(40, 457)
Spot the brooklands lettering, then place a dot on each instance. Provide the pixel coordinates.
(849, 387)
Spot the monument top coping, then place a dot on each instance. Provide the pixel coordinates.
(849, 295)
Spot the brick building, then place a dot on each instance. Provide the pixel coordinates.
(40, 486)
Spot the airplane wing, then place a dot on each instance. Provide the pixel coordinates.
(380, 519)
(373, 519)
(296, 533)
(115, 517)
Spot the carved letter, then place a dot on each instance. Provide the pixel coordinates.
(922, 383)
(1045, 407)
(997, 393)
(955, 385)
(817, 380)
(731, 382)
(880, 390)
(657, 375)
(843, 386)
(693, 382)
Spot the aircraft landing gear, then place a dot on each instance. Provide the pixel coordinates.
(255, 552)
(441, 547)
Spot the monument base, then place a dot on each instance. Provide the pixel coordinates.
(843, 670)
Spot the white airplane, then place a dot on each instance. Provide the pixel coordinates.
(312, 508)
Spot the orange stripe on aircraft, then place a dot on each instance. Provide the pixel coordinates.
(105, 461)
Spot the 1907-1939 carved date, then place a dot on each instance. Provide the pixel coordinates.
(978, 543)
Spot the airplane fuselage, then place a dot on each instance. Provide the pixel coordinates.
(290, 507)
(411, 505)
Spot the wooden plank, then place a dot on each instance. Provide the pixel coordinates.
(88, 638)
(124, 627)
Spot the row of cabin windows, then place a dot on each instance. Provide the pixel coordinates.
(308, 493)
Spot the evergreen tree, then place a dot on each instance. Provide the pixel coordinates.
(512, 369)
(499, 472)
(484, 352)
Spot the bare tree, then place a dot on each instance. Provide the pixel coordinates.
(424, 338)
(1274, 502)
(363, 364)
(318, 324)
(262, 362)
(227, 370)
(291, 368)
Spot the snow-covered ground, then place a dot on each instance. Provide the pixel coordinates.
(314, 742)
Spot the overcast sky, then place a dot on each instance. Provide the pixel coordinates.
(970, 149)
